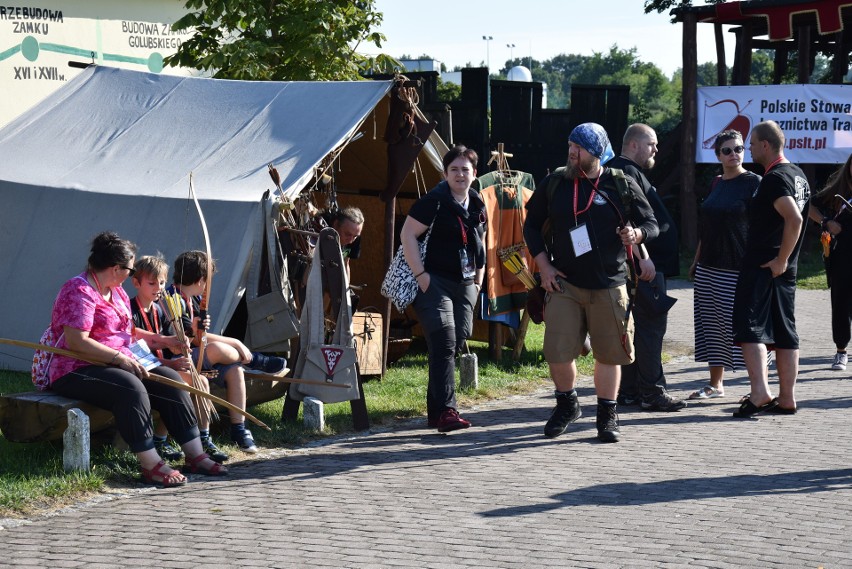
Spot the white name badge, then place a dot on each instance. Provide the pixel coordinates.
(580, 240)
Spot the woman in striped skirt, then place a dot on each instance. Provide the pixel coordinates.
(722, 236)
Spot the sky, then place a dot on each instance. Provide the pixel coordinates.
(452, 31)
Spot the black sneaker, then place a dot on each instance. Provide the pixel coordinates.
(626, 399)
(663, 402)
(167, 451)
(267, 364)
(209, 447)
(607, 423)
(245, 441)
(567, 411)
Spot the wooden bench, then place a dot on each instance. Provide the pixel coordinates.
(36, 416)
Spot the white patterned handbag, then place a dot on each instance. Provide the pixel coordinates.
(399, 285)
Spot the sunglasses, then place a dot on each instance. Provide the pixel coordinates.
(131, 272)
(727, 150)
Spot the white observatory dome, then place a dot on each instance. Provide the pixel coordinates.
(520, 73)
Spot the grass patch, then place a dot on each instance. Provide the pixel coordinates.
(811, 274)
(32, 478)
(811, 268)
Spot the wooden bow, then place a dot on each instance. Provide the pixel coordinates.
(208, 283)
(202, 305)
(152, 376)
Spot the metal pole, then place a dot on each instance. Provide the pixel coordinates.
(488, 51)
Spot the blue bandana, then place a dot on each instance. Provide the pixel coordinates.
(592, 137)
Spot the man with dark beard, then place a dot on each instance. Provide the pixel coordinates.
(643, 382)
(580, 234)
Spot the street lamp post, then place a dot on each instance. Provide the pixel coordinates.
(511, 47)
(488, 51)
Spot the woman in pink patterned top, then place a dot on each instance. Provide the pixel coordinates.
(91, 316)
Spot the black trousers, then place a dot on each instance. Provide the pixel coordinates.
(841, 301)
(645, 377)
(445, 312)
(131, 399)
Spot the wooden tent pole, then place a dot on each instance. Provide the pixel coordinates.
(390, 208)
(688, 203)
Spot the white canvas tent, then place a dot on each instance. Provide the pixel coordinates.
(113, 149)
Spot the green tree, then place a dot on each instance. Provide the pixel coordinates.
(448, 91)
(762, 66)
(708, 75)
(661, 6)
(281, 39)
(652, 97)
(558, 72)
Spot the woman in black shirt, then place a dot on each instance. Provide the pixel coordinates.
(449, 276)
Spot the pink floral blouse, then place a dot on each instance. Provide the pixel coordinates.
(79, 305)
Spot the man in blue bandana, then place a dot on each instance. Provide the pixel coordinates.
(579, 234)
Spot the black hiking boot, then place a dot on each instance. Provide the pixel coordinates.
(607, 422)
(567, 411)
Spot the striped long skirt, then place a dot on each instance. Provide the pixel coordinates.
(714, 302)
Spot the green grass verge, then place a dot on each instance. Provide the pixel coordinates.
(31, 475)
(811, 266)
(32, 479)
(811, 270)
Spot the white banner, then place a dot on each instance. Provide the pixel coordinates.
(40, 37)
(816, 119)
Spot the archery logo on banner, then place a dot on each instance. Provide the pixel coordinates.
(816, 119)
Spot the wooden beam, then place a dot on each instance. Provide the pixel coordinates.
(805, 56)
(721, 64)
(688, 203)
(840, 65)
(790, 45)
(390, 212)
(521, 337)
(744, 47)
(780, 64)
(735, 71)
(495, 341)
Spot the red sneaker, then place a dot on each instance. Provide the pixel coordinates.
(450, 421)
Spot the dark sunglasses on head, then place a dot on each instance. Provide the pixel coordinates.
(131, 271)
(727, 150)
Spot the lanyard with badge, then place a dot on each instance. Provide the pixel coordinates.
(147, 323)
(467, 267)
(580, 239)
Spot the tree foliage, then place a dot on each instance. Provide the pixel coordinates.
(281, 40)
(654, 98)
(661, 6)
(448, 91)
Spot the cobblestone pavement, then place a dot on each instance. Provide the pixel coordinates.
(689, 489)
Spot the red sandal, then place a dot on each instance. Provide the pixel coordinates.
(159, 476)
(195, 467)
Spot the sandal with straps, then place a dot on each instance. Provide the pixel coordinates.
(159, 476)
(195, 466)
(748, 409)
(707, 392)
